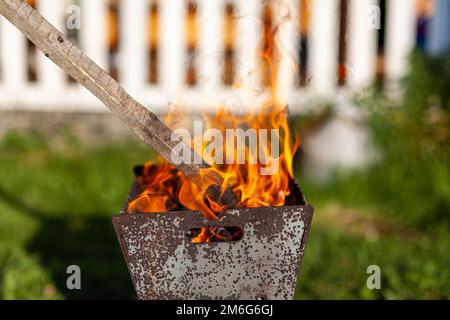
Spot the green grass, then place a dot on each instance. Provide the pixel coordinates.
(56, 203)
(344, 241)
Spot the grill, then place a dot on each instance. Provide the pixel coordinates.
(263, 264)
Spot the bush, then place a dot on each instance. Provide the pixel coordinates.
(412, 178)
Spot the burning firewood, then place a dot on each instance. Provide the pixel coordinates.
(163, 188)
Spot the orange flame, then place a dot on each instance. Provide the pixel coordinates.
(167, 189)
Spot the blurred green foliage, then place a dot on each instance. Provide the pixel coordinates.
(56, 204)
(336, 260)
(414, 139)
(411, 177)
(408, 186)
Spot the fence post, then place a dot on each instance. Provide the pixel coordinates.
(286, 41)
(400, 37)
(50, 77)
(439, 32)
(324, 45)
(94, 30)
(362, 42)
(210, 62)
(13, 59)
(249, 42)
(134, 33)
(172, 46)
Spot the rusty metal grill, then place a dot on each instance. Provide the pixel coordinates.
(264, 264)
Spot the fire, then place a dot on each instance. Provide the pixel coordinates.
(167, 189)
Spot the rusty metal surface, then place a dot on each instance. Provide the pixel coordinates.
(265, 263)
(164, 264)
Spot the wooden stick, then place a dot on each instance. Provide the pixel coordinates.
(72, 60)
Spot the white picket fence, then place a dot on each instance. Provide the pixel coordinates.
(52, 92)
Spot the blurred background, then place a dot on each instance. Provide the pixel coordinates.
(368, 87)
